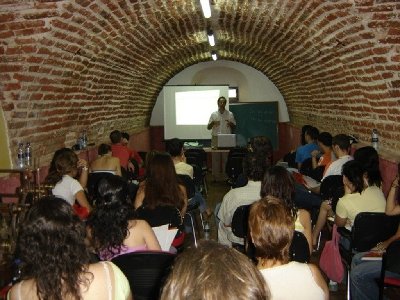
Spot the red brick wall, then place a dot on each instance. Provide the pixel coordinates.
(70, 65)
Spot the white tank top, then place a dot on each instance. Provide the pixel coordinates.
(292, 281)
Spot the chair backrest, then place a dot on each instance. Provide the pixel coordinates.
(194, 158)
(240, 221)
(197, 175)
(392, 260)
(188, 183)
(299, 249)
(146, 272)
(93, 182)
(234, 167)
(237, 151)
(371, 228)
(198, 151)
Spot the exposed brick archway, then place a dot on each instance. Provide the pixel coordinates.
(69, 65)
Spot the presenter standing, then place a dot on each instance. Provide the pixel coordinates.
(221, 121)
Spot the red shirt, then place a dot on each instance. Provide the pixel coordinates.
(125, 154)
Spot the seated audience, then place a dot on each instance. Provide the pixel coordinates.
(359, 196)
(136, 155)
(254, 169)
(322, 158)
(62, 174)
(369, 160)
(309, 197)
(161, 199)
(82, 166)
(290, 157)
(304, 152)
(112, 227)
(271, 225)
(279, 184)
(213, 271)
(122, 152)
(364, 274)
(261, 146)
(56, 262)
(175, 149)
(105, 162)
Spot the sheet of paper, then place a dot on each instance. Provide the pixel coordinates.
(311, 182)
(165, 236)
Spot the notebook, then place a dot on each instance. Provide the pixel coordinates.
(226, 140)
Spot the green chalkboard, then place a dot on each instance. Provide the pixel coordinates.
(256, 118)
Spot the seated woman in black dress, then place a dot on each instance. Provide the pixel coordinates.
(160, 199)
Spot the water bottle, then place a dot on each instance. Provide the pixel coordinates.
(20, 156)
(206, 231)
(84, 139)
(375, 139)
(28, 154)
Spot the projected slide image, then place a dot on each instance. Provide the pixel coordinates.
(195, 107)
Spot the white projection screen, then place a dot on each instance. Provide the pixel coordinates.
(187, 110)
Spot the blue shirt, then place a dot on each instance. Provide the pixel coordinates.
(304, 152)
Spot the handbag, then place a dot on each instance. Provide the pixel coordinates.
(330, 261)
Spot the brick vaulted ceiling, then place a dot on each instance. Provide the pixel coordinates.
(69, 65)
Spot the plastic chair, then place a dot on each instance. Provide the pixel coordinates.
(240, 225)
(299, 250)
(188, 183)
(146, 272)
(234, 167)
(369, 229)
(195, 159)
(390, 262)
(194, 218)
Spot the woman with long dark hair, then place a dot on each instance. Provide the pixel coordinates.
(279, 184)
(62, 173)
(55, 259)
(114, 230)
(161, 199)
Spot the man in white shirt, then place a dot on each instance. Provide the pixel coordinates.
(221, 121)
(310, 198)
(254, 168)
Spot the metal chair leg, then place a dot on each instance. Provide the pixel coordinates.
(192, 223)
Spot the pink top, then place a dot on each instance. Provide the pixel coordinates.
(104, 255)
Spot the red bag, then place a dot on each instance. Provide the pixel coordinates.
(331, 261)
(81, 211)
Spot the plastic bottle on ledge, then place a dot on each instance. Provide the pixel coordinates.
(375, 139)
(84, 139)
(28, 154)
(20, 156)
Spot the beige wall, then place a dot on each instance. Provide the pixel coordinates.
(5, 162)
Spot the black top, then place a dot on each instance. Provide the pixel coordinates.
(160, 215)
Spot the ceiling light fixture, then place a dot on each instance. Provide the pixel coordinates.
(205, 6)
(211, 39)
(214, 55)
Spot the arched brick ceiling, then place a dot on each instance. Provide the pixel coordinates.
(69, 65)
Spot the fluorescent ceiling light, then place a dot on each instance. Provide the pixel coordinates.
(205, 6)
(211, 39)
